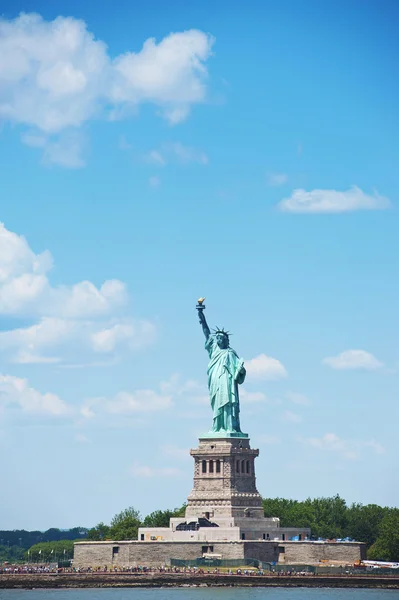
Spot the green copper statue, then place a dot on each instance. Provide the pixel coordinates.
(225, 372)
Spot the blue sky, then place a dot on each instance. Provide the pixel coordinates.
(152, 153)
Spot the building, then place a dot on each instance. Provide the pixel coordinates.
(224, 519)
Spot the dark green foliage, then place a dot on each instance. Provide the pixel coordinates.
(364, 522)
(331, 518)
(386, 546)
(160, 518)
(50, 551)
(26, 539)
(11, 554)
(125, 524)
(327, 517)
(99, 532)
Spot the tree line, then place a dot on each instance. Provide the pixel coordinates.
(328, 518)
(332, 518)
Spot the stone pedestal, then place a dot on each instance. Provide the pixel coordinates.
(224, 482)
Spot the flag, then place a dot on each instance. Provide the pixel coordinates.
(52, 552)
(40, 551)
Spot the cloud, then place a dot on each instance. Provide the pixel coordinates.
(130, 333)
(16, 392)
(265, 367)
(154, 181)
(332, 201)
(140, 470)
(191, 390)
(25, 288)
(127, 403)
(156, 158)
(67, 150)
(268, 440)
(346, 449)
(291, 417)
(81, 438)
(123, 144)
(70, 338)
(176, 153)
(277, 179)
(353, 359)
(55, 76)
(298, 399)
(80, 317)
(175, 452)
(252, 397)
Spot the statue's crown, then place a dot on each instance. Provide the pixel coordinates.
(222, 330)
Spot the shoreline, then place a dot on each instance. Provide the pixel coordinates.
(157, 580)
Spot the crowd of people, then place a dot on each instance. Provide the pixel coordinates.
(47, 568)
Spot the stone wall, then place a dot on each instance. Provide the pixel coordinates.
(264, 551)
(308, 553)
(148, 553)
(224, 479)
(159, 553)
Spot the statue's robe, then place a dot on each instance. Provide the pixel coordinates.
(225, 372)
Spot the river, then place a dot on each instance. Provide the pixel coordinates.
(201, 594)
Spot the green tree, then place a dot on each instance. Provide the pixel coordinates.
(364, 522)
(281, 508)
(160, 518)
(50, 551)
(124, 525)
(12, 554)
(386, 546)
(99, 532)
(330, 517)
(327, 517)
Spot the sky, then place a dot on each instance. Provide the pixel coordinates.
(152, 153)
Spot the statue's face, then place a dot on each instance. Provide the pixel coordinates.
(222, 340)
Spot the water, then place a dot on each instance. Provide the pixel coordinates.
(201, 594)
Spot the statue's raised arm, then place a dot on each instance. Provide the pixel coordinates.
(202, 320)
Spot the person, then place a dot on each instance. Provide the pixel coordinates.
(226, 372)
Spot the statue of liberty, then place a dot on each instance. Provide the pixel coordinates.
(225, 372)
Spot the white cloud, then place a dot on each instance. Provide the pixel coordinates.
(252, 397)
(332, 201)
(191, 390)
(175, 152)
(154, 181)
(265, 367)
(127, 403)
(130, 333)
(25, 288)
(156, 158)
(291, 417)
(298, 399)
(353, 359)
(67, 150)
(347, 449)
(80, 317)
(55, 76)
(71, 338)
(268, 440)
(123, 144)
(16, 392)
(81, 438)
(175, 452)
(277, 179)
(140, 470)
(186, 154)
